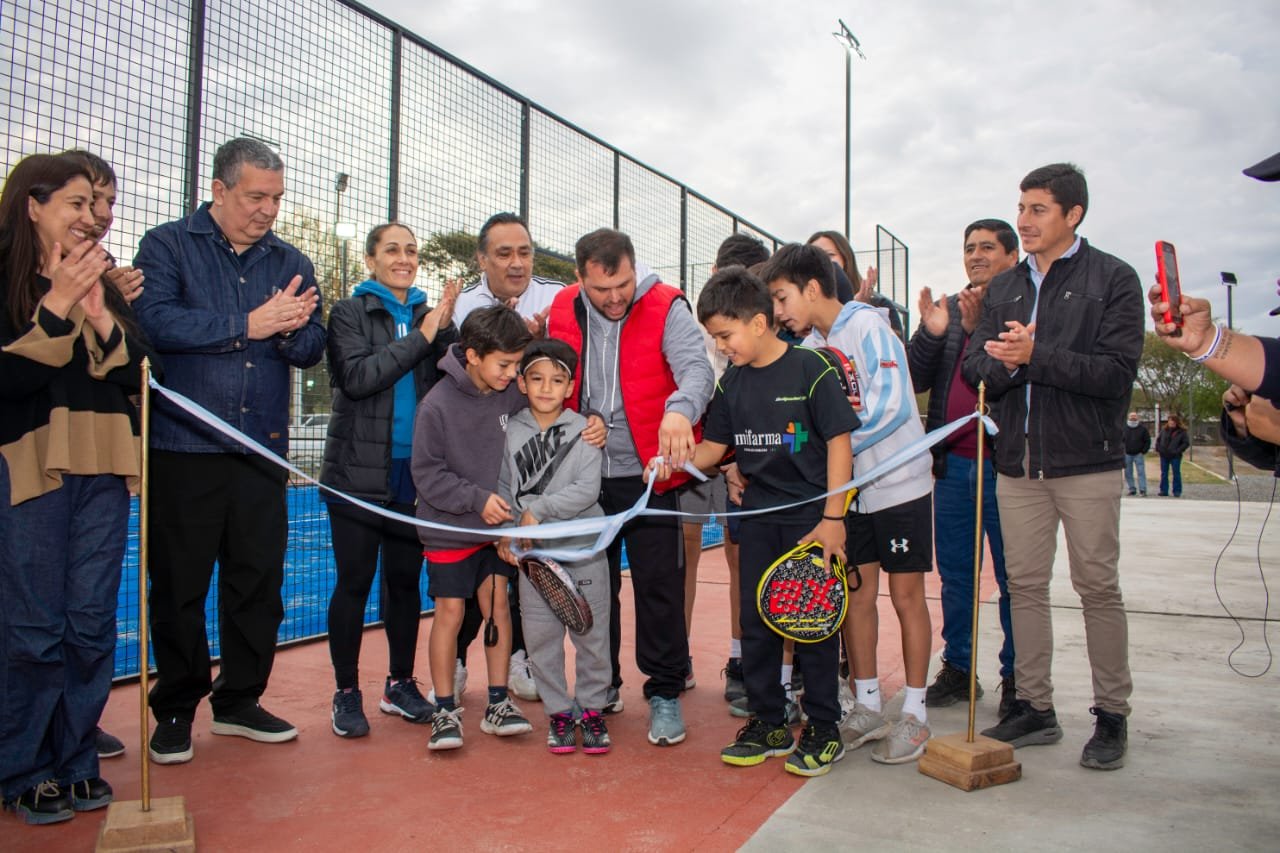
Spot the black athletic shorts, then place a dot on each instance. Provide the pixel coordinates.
(461, 579)
(899, 538)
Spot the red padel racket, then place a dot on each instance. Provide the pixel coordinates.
(559, 591)
(801, 597)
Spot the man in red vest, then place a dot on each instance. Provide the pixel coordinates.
(643, 380)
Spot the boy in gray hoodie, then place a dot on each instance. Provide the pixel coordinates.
(458, 438)
(550, 474)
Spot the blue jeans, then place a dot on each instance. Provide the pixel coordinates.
(1135, 461)
(60, 557)
(954, 500)
(1174, 464)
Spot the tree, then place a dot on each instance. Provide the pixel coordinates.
(452, 254)
(1176, 383)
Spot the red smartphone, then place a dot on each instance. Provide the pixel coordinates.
(1170, 286)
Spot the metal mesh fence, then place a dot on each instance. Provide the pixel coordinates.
(373, 122)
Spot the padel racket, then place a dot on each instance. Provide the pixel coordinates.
(845, 372)
(801, 597)
(560, 593)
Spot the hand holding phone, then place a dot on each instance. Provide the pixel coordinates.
(1170, 285)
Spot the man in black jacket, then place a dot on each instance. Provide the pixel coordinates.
(934, 354)
(1137, 441)
(1058, 347)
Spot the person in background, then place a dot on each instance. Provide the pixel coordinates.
(850, 284)
(384, 343)
(1137, 441)
(1171, 443)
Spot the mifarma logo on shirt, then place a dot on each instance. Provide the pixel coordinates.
(794, 438)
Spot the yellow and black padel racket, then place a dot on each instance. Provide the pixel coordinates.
(801, 597)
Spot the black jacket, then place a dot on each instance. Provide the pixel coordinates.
(1136, 439)
(365, 361)
(1172, 443)
(1255, 451)
(932, 362)
(1088, 339)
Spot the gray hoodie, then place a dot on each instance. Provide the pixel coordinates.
(552, 473)
(458, 439)
(682, 346)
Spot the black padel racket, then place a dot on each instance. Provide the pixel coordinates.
(800, 597)
(560, 593)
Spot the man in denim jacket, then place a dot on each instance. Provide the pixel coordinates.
(232, 307)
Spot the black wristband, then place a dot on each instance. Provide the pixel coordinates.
(833, 518)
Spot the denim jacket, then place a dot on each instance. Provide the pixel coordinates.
(195, 308)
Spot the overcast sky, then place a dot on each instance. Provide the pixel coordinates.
(1161, 103)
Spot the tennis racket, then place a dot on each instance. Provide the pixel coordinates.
(845, 372)
(559, 591)
(801, 597)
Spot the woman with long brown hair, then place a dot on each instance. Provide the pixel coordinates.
(69, 359)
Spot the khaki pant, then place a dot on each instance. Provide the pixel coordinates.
(1088, 506)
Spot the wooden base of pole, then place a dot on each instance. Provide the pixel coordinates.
(168, 826)
(967, 766)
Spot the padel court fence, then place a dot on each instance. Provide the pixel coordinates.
(374, 123)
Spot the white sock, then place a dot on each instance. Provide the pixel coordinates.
(867, 692)
(735, 648)
(913, 704)
(787, 669)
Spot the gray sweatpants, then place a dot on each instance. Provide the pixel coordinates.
(544, 639)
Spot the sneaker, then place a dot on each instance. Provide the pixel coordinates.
(756, 741)
(90, 794)
(612, 701)
(1132, 492)
(689, 681)
(820, 747)
(255, 723)
(171, 741)
(1025, 726)
(951, 686)
(734, 688)
(562, 736)
(905, 742)
(1008, 695)
(446, 729)
(404, 698)
(1105, 750)
(459, 683)
(45, 803)
(108, 745)
(847, 700)
(504, 720)
(742, 708)
(666, 723)
(347, 716)
(595, 734)
(797, 684)
(520, 678)
(863, 724)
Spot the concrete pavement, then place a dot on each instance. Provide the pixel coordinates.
(1203, 767)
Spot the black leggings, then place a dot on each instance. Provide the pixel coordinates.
(357, 537)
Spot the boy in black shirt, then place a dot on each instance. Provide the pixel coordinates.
(782, 409)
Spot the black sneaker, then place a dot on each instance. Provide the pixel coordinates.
(404, 698)
(45, 803)
(1025, 726)
(595, 734)
(562, 735)
(1105, 750)
(756, 741)
(820, 747)
(256, 723)
(951, 686)
(612, 701)
(734, 688)
(90, 794)
(348, 717)
(446, 729)
(171, 741)
(108, 745)
(1008, 695)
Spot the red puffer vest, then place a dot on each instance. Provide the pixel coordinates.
(645, 376)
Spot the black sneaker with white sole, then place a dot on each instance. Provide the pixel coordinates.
(171, 741)
(41, 804)
(446, 729)
(90, 794)
(1025, 726)
(347, 716)
(1105, 750)
(107, 745)
(404, 698)
(255, 723)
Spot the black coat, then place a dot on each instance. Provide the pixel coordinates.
(365, 362)
(1088, 339)
(1136, 439)
(932, 362)
(1172, 443)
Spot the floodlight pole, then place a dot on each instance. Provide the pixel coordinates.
(850, 44)
(1229, 282)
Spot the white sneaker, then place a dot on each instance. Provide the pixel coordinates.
(847, 700)
(905, 743)
(520, 678)
(862, 725)
(459, 684)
